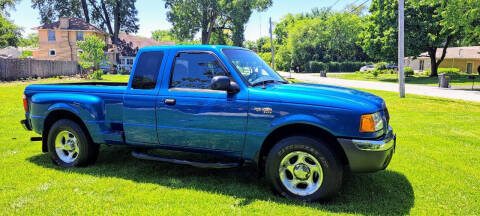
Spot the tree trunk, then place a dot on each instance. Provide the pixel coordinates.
(116, 26)
(433, 62)
(85, 11)
(432, 53)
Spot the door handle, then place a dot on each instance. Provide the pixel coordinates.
(170, 101)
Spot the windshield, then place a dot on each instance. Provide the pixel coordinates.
(252, 67)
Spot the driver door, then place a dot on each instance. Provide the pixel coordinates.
(191, 115)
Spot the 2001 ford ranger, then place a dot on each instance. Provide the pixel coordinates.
(221, 100)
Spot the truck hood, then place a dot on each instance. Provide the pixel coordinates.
(319, 95)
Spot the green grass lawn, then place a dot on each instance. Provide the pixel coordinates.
(435, 170)
(457, 80)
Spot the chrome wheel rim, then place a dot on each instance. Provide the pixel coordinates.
(301, 173)
(66, 146)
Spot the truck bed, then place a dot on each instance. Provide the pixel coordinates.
(92, 87)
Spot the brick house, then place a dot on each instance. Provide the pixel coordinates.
(467, 59)
(57, 41)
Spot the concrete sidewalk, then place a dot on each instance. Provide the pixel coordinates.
(393, 87)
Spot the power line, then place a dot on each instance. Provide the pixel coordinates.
(333, 4)
(353, 3)
(354, 9)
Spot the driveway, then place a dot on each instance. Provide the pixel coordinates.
(409, 88)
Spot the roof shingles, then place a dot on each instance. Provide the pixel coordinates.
(74, 24)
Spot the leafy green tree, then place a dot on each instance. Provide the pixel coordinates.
(321, 36)
(30, 40)
(4, 4)
(93, 52)
(50, 10)
(424, 30)
(463, 16)
(113, 15)
(10, 34)
(163, 35)
(189, 17)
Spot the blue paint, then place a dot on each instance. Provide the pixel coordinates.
(230, 124)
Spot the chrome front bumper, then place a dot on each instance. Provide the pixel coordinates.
(387, 142)
(369, 155)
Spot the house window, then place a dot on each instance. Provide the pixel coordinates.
(79, 52)
(469, 68)
(130, 61)
(51, 35)
(422, 65)
(52, 52)
(79, 36)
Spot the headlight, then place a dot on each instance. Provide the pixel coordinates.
(371, 122)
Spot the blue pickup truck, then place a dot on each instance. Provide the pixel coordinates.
(218, 100)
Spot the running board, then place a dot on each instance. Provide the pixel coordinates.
(185, 162)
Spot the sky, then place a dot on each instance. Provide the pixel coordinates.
(152, 15)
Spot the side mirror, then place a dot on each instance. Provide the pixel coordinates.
(223, 83)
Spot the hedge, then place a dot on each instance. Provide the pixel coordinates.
(316, 67)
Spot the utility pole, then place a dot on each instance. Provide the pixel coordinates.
(401, 48)
(271, 44)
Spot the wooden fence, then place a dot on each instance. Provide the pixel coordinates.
(14, 69)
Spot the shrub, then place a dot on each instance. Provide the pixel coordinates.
(408, 71)
(26, 53)
(381, 66)
(450, 71)
(333, 67)
(97, 75)
(375, 73)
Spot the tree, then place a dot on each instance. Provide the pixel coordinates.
(423, 30)
(463, 16)
(318, 36)
(4, 4)
(163, 35)
(10, 34)
(30, 40)
(116, 16)
(238, 14)
(112, 15)
(93, 52)
(50, 10)
(189, 17)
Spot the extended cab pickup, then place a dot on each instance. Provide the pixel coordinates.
(218, 100)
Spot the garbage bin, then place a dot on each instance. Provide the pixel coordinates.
(443, 80)
(323, 74)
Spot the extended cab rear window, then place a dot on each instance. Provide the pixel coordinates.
(147, 69)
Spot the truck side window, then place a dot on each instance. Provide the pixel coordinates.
(146, 71)
(195, 70)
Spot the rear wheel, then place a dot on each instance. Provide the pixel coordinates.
(304, 168)
(69, 145)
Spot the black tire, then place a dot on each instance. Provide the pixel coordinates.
(87, 150)
(331, 167)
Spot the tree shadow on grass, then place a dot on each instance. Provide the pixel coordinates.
(381, 193)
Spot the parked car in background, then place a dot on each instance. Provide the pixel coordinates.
(367, 68)
(219, 100)
(392, 66)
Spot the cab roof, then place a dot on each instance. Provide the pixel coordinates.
(193, 47)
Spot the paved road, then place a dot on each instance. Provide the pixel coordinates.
(409, 88)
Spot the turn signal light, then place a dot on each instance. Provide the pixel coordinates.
(25, 103)
(367, 123)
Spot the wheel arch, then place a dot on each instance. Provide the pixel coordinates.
(299, 129)
(55, 115)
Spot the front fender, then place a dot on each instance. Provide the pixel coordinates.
(299, 119)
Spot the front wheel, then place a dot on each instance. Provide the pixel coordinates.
(304, 168)
(69, 145)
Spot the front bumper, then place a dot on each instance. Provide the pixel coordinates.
(369, 155)
(26, 124)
